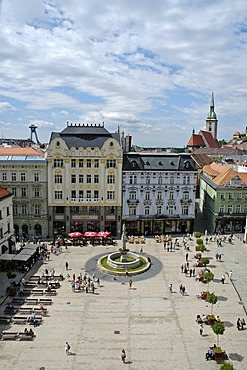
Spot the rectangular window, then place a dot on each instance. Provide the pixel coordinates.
(8, 228)
(110, 179)
(1, 233)
(80, 179)
(229, 208)
(15, 209)
(13, 175)
(147, 211)
(132, 211)
(89, 163)
(14, 191)
(36, 209)
(171, 195)
(158, 211)
(172, 180)
(73, 163)
(73, 179)
(159, 195)
(96, 163)
(185, 210)
(111, 163)
(96, 179)
(170, 210)
(80, 163)
(110, 195)
(73, 193)
(4, 176)
(58, 179)
(36, 177)
(58, 194)
(147, 180)
(96, 194)
(230, 196)
(23, 176)
(186, 195)
(1, 215)
(8, 213)
(160, 180)
(23, 209)
(81, 194)
(23, 192)
(36, 193)
(239, 195)
(89, 179)
(147, 195)
(58, 162)
(88, 194)
(238, 208)
(221, 208)
(132, 195)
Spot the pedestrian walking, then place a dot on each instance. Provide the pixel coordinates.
(66, 265)
(130, 283)
(182, 268)
(141, 250)
(170, 287)
(67, 348)
(201, 330)
(238, 323)
(123, 355)
(223, 279)
(230, 274)
(242, 324)
(187, 256)
(183, 289)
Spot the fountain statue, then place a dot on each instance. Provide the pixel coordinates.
(123, 250)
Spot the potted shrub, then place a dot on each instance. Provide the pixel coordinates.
(200, 248)
(227, 366)
(11, 274)
(197, 234)
(198, 255)
(204, 261)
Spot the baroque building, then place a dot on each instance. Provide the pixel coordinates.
(84, 180)
(223, 198)
(158, 193)
(7, 240)
(23, 172)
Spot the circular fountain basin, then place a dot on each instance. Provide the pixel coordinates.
(111, 260)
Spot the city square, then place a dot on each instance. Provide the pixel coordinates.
(156, 327)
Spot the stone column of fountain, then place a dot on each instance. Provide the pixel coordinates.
(124, 250)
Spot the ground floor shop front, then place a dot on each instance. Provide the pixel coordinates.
(156, 227)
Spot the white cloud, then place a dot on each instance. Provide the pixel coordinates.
(123, 62)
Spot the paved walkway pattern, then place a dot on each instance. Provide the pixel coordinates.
(156, 327)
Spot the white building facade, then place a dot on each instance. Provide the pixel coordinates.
(158, 193)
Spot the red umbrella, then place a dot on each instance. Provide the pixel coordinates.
(104, 234)
(91, 234)
(75, 234)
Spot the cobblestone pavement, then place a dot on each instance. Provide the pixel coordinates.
(156, 327)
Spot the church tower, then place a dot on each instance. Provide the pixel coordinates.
(211, 121)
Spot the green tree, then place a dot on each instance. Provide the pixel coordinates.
(222, 142)
(212, 299)
(197, 234)
(218, 328)
(204, 260)
(208, 276)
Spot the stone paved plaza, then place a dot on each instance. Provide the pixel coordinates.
(156, 327)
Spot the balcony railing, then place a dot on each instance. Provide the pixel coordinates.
(185, 201)
(132, 201)
(84, 200)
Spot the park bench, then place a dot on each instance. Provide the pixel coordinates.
(26, 310)
(17, 301)
(34, 278)
(9, 335)
(10, 311)
(37, 291)
(45, 301)
(24, 336)
(51, 292)
(19, 319)
(31, 301)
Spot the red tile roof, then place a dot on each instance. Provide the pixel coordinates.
(16, 151)
(4, 193)
(209, 139)
(196, 141)
(222, 175)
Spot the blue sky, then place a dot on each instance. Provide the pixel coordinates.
(148, 66)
